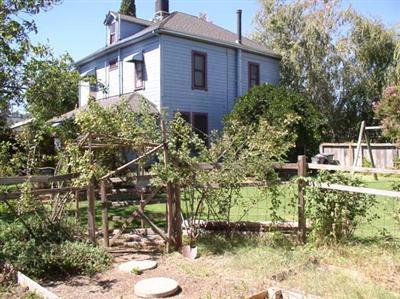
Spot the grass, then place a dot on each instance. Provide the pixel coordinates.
(248, 265)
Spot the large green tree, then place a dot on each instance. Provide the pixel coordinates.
(128, 8)
(337, 58)
(277, 105)
(50, 84)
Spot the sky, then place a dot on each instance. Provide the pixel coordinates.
(76, 26)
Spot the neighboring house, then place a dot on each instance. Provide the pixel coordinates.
(178, 62)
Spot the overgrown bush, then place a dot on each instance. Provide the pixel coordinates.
(274, 105)
(45, 249)
(335, 214)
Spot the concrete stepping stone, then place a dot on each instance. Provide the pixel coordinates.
(156, 287)
(138, 265)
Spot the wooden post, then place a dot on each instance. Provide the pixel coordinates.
(77, 211)
(91, 211)
(170, 200)
(371, 157)
(104, 213)
(302, 172)
(351, 156)
(178, 219)
(91, 198)
(359, 145)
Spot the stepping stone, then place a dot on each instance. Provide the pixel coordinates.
(156, 287)
(139, 265)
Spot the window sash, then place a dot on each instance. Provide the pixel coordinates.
(254, 74)
(113, 64)
(199, 70)
(139, 75)
(112, 33)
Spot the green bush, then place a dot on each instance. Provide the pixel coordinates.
(51, 251)
(335, 214)
(82, 258)
(277, 104)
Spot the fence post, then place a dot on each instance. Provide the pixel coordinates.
(178, 219)
(104, 212)
(302, 172)
(91, 198)
(170, 191)
(77, 209)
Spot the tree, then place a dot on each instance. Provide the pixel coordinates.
(337, 58)
(276, 105)
(51, 84)
(15, 44)
(388, 112)
(128, 8)
(15, 47)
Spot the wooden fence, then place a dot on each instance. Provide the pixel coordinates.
(384, 154)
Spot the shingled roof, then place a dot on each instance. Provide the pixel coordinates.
(134, 100)
(185, 26)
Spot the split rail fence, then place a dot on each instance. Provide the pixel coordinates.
(173, 234)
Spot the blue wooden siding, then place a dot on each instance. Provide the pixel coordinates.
(218, 100)
(168, 76)
(128, 29)
(269, 69)
(177, 93)
(111, 80)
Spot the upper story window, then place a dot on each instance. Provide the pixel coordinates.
(199, 70)
(139, 75)
(113, 64)
(254, 74)
(113, 36)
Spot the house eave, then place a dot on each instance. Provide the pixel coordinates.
(207, 40)
(122, 43)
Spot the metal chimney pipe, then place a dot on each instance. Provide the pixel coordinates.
(162, 8)
(133, 8)
(239, 26)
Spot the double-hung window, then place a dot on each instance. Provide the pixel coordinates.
(199, 122)
(139, 75)
(199, 70)
(113, 36)
(254, 74)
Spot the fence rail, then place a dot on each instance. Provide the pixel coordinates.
(37, 179)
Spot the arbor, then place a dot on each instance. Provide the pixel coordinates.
(337, 58)
(276, 105)
(50, 84)
(128, 7)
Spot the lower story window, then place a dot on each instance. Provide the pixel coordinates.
(199, 122)
(139, 75)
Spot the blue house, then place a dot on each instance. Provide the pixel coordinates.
(179, 62)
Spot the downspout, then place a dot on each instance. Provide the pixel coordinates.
(239, 53)
(120, 73)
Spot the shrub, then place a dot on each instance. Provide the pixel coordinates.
(52, 250)
(336, 214)
(275, 105)
(82, 258)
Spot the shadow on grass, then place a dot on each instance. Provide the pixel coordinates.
(219, 243)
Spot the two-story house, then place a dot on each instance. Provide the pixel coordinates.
(179, 62)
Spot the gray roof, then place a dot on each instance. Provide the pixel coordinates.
(135, 100)
(186, 26)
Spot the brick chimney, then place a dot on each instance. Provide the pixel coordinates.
(161, 9)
